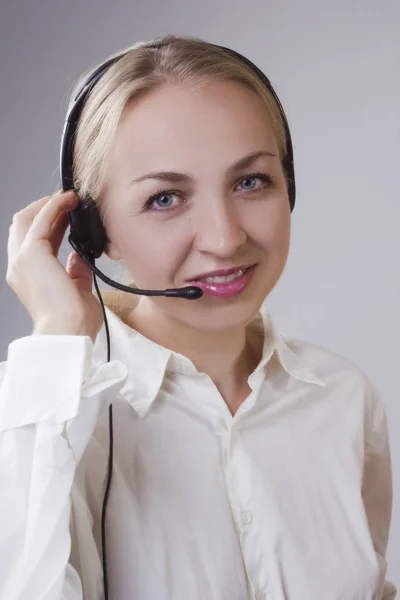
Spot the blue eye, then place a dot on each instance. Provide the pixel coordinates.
(161, 196)
(267, 180)
(249, 179)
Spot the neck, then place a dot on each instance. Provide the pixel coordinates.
(227, 357)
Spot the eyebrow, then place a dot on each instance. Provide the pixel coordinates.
(174, 177)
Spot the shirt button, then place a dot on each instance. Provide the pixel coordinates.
(247, 517)
(261, 596)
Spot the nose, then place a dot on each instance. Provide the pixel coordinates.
(219, 229)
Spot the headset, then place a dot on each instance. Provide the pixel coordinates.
(88, 236)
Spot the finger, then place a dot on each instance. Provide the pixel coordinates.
(43, 222)
(79, 272)
(29, 211)
(58, 232)
(22, 221)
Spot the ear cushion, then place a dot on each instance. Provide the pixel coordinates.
(87, 229)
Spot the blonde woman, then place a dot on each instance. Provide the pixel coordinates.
(246, 464)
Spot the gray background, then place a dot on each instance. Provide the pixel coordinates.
(335, 66)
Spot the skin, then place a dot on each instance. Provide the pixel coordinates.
(215, 221)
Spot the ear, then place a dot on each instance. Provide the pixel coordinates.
(111, 250)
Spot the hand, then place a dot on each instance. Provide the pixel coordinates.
(60, 301)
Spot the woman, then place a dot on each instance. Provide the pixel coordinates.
(247, 465)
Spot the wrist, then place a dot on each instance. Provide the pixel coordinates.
(59, 327)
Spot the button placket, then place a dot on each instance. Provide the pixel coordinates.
(243, 517)
(229, 438)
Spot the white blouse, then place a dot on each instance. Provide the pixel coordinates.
(290, 498)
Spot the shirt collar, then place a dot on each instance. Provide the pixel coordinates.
(274, 341)
(148, 361)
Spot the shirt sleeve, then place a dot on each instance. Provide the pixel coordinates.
(47, 385)
(377, 486)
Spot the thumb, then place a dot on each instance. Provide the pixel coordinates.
(79, 272)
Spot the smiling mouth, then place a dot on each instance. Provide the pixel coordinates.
(224, 278)
(222, 273)
(226, 286)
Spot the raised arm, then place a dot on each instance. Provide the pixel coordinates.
(46, 382)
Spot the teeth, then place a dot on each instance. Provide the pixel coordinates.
(225, 278)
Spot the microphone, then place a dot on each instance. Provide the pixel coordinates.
(190, 292)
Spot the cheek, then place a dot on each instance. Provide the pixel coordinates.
(272, 230)
(150, 251)
(280, 236)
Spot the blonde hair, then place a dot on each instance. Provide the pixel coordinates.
(140, 70)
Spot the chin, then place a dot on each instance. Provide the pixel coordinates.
(217, 315)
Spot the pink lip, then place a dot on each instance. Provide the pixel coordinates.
(226, 290)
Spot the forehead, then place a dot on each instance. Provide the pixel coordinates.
(182, 118)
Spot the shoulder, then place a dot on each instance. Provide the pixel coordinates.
(336, 370)
(318, 356)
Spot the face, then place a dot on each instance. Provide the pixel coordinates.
(169, 231)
